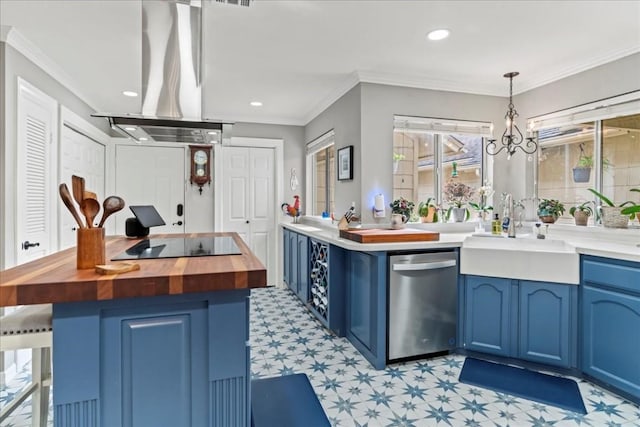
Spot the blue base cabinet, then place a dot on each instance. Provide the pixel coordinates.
(534, 321)
(366, 305)
(611, 323)
(165, 361)
(296, 263)
(487, 319)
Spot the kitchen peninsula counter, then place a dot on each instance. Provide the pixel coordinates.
(55, 279)
(164, 346)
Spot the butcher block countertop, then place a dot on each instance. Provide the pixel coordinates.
(55, 279)
(387, 235)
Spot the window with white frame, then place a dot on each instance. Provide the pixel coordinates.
(321, 174)
(592, 146)
(425, 151)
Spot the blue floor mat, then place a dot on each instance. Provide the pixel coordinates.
(287, 401)
(548, 389)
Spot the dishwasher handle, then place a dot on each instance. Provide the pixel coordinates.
(425, 265)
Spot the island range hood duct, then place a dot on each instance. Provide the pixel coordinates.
(171, 77)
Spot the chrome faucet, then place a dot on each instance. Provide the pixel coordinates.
(511, 230)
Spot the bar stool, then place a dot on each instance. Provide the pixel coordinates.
(30, 327)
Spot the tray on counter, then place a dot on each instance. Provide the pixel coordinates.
(388, 235)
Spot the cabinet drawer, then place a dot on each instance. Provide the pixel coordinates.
(620, 275)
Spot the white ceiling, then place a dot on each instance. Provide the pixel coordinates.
(299, 56)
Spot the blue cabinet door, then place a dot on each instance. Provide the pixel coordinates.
(293, 261)
(366, 309)
(286, 255)
(611, 338)
(302, 288)
(488, 315)
(545, 324)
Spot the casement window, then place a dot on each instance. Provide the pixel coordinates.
(321, 174)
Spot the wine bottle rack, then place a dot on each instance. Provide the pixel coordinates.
(319, 298)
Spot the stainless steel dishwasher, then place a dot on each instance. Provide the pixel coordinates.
(423, 300)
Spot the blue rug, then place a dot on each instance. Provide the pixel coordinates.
(548, 389)
(287, 401)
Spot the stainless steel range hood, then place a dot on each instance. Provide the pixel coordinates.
(171, 77)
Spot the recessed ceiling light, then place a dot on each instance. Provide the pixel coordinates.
(438, 34)
(256, 104)
(212, 132)
(142, 138)
(129, 93)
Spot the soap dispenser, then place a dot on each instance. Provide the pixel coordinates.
(496, 225)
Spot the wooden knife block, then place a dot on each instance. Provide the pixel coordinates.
(90, 249)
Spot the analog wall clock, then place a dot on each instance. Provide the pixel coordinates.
(200, 156)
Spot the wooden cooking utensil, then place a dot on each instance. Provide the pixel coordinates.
(77, 186)
(111, 205)
(90, 195)
(65, 195)
(117, 268)
(90, 208)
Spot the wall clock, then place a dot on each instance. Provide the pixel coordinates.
(200, 156)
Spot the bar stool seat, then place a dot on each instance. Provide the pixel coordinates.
(30, 327)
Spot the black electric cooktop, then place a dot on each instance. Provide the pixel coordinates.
(177, 247)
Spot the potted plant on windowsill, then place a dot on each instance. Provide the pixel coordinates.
(457, 194)
(549, 210)
(581, 213)
(615, 216)
(403, 208)
(428, 211)
(631, 210)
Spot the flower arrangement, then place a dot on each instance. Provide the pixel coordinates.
(484, 193)
(457, 193)
(402, 206)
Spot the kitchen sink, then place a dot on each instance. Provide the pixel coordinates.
(525, 258)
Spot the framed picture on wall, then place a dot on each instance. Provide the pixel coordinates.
(345, 163)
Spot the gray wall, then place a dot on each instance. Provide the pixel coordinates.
(381, 102)
(344, 117)
(15, 65)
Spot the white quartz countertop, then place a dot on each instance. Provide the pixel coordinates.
(597, 241)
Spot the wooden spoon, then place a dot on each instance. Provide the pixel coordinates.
(90, 195)
(111, 205)
(90, 208)
(65, 195)
(77, 185)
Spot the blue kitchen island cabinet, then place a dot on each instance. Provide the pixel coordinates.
(611, 323)
(164, 346)
(533, 321)
(366, 305)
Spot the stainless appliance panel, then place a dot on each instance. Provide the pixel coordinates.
(423, 301)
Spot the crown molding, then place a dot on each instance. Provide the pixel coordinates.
(345, 86)
(33, 53)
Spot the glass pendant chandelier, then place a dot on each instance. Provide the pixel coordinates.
(512, 138)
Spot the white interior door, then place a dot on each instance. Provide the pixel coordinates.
(83, 156)
(151, 175)
(248, 194)
(35, 178)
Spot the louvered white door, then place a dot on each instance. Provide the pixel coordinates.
(36, 189)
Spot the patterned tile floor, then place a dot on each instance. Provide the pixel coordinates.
(286, 339)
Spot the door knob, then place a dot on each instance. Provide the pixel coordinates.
(177, 223)
(247, 221)
(26, 245)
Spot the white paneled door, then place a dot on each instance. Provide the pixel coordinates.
(35, 183)
(248, 193)
(83, 156)
(151, 175)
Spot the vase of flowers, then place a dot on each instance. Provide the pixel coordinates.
(402, 206)
(456, 194)
(482, 207)
(549, 210)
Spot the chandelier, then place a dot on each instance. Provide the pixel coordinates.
(512, 138)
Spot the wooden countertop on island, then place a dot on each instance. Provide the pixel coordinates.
(55, 279)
